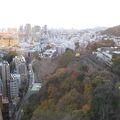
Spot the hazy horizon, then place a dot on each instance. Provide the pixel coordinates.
(67, 14)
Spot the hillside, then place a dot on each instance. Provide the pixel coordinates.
(79, 89)
(115, 31)
(43, 68)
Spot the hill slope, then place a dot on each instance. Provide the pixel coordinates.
(115, 31)
(79, 89)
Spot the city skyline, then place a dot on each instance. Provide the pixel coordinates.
(77, 14)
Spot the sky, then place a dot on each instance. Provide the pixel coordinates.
(77, 14)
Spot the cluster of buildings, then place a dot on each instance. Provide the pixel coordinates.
(43, 40)
(115, 39)
(52, 42)
(11, 83)
(47, 43)
(106, 53)
(31, 34)
(10, 33)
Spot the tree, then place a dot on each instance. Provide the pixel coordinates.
(9, 57)
(70, 101)
(66, 58)
(116, 63)
(84, 68)
(105, 103)
(99, 79)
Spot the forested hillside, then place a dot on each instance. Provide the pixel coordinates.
(79, 89)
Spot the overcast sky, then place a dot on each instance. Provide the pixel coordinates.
(78, 14)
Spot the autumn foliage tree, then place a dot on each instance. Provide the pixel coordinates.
(77, 93)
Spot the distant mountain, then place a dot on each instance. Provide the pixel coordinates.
(115, 31)
(99, 29)
(96, 29)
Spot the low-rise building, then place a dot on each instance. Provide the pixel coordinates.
(106, 53)
(60, 49)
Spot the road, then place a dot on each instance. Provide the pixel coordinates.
(20, 111)
(17, 111)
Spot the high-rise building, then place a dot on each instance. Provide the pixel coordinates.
(5, 76)
(4, 108)
(20, 65)
(21, 30)
(14, 84)
(21, 34)
(1, 117)
(1, 86)
(28, 28)
(36, 29)
(45, 29)
(28, 33)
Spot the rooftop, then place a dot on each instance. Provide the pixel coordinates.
(36, 87)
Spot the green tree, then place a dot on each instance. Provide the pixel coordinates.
(105, 103)
(116, 63)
